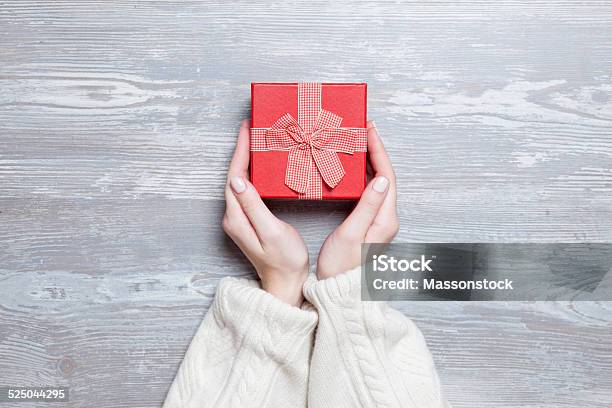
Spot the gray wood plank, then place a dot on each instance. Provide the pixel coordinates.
(117, 121)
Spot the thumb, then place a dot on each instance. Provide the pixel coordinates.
(263, 221)
(359, 221)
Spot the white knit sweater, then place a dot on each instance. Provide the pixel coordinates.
(253, 350)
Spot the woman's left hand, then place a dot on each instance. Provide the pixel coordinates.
(374, 218)
(275, 248)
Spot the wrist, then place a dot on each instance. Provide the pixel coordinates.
(330, 272)
(289, 289)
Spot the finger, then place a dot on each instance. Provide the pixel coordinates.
(379, 159)
(386, 223)
(237, 225)
(244, 237)
(235, 222)
(239, 165)
(384, 228)
(262, 220)
(358, 222)
(381, 164)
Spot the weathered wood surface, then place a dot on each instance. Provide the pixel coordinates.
(117, 120)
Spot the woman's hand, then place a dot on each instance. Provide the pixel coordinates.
(374, 219)
(275, 248)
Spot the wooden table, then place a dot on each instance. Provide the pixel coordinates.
(118, 118)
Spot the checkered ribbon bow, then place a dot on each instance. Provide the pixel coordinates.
(313, 142)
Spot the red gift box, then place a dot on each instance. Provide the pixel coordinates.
(309, 140)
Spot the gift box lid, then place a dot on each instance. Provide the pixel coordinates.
(271, 101)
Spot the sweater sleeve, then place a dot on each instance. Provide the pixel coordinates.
(366, 354)
(251, 350)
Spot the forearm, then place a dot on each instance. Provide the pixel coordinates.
(248, 343)
(379, 356)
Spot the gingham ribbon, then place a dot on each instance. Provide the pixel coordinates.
(313, 141)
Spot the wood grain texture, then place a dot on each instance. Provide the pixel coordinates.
(117, 120)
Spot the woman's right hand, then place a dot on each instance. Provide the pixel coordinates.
(275, 248)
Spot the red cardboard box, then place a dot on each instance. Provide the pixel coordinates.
(330, 118)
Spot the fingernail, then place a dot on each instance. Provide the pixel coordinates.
(380, 184)
(237, 184)
(373, 124)
(244, 123)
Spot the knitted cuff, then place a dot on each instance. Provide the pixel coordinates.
(341, 290)
(260, 320)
